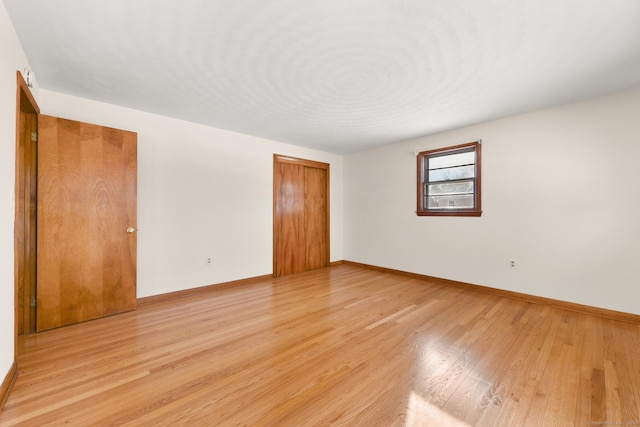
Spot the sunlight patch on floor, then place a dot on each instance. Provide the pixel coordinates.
(422, 413)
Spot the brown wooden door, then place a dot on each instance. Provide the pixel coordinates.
(87, 177)
(301, 215)
(26, 202)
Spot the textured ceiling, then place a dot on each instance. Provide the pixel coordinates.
(335, 75)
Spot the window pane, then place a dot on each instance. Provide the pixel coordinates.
(464, 201)
(449, 181)
(452, 160)
(460, 172)
(464, 187)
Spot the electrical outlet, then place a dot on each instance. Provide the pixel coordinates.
(512, 263)
(209, 260)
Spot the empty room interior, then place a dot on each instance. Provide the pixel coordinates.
(298, 213)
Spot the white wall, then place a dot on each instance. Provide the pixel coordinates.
(12, 59)
(561, 196)
(201, 192)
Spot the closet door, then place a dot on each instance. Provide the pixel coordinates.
(301, 215)
(87, 178)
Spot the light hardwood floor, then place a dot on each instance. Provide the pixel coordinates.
(339, 346)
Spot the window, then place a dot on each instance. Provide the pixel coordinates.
(449, 181)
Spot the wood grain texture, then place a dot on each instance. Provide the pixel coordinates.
(86, 201)
(301, 215)
(201, 290)
(27, 111)
(290, 229)
(565, 305)
(7, 384)
(344, 345)
(31, 220)
(315, 218)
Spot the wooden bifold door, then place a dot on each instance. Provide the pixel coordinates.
(86, 226)
(301, 215)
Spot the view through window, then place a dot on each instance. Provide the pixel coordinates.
(449, 181)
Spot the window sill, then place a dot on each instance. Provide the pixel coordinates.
(449, 213)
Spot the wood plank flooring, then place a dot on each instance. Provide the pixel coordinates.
(338, 346)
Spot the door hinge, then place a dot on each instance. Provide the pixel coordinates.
(34, 302)
(34, 136)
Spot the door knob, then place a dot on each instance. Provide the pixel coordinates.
(131, 230)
